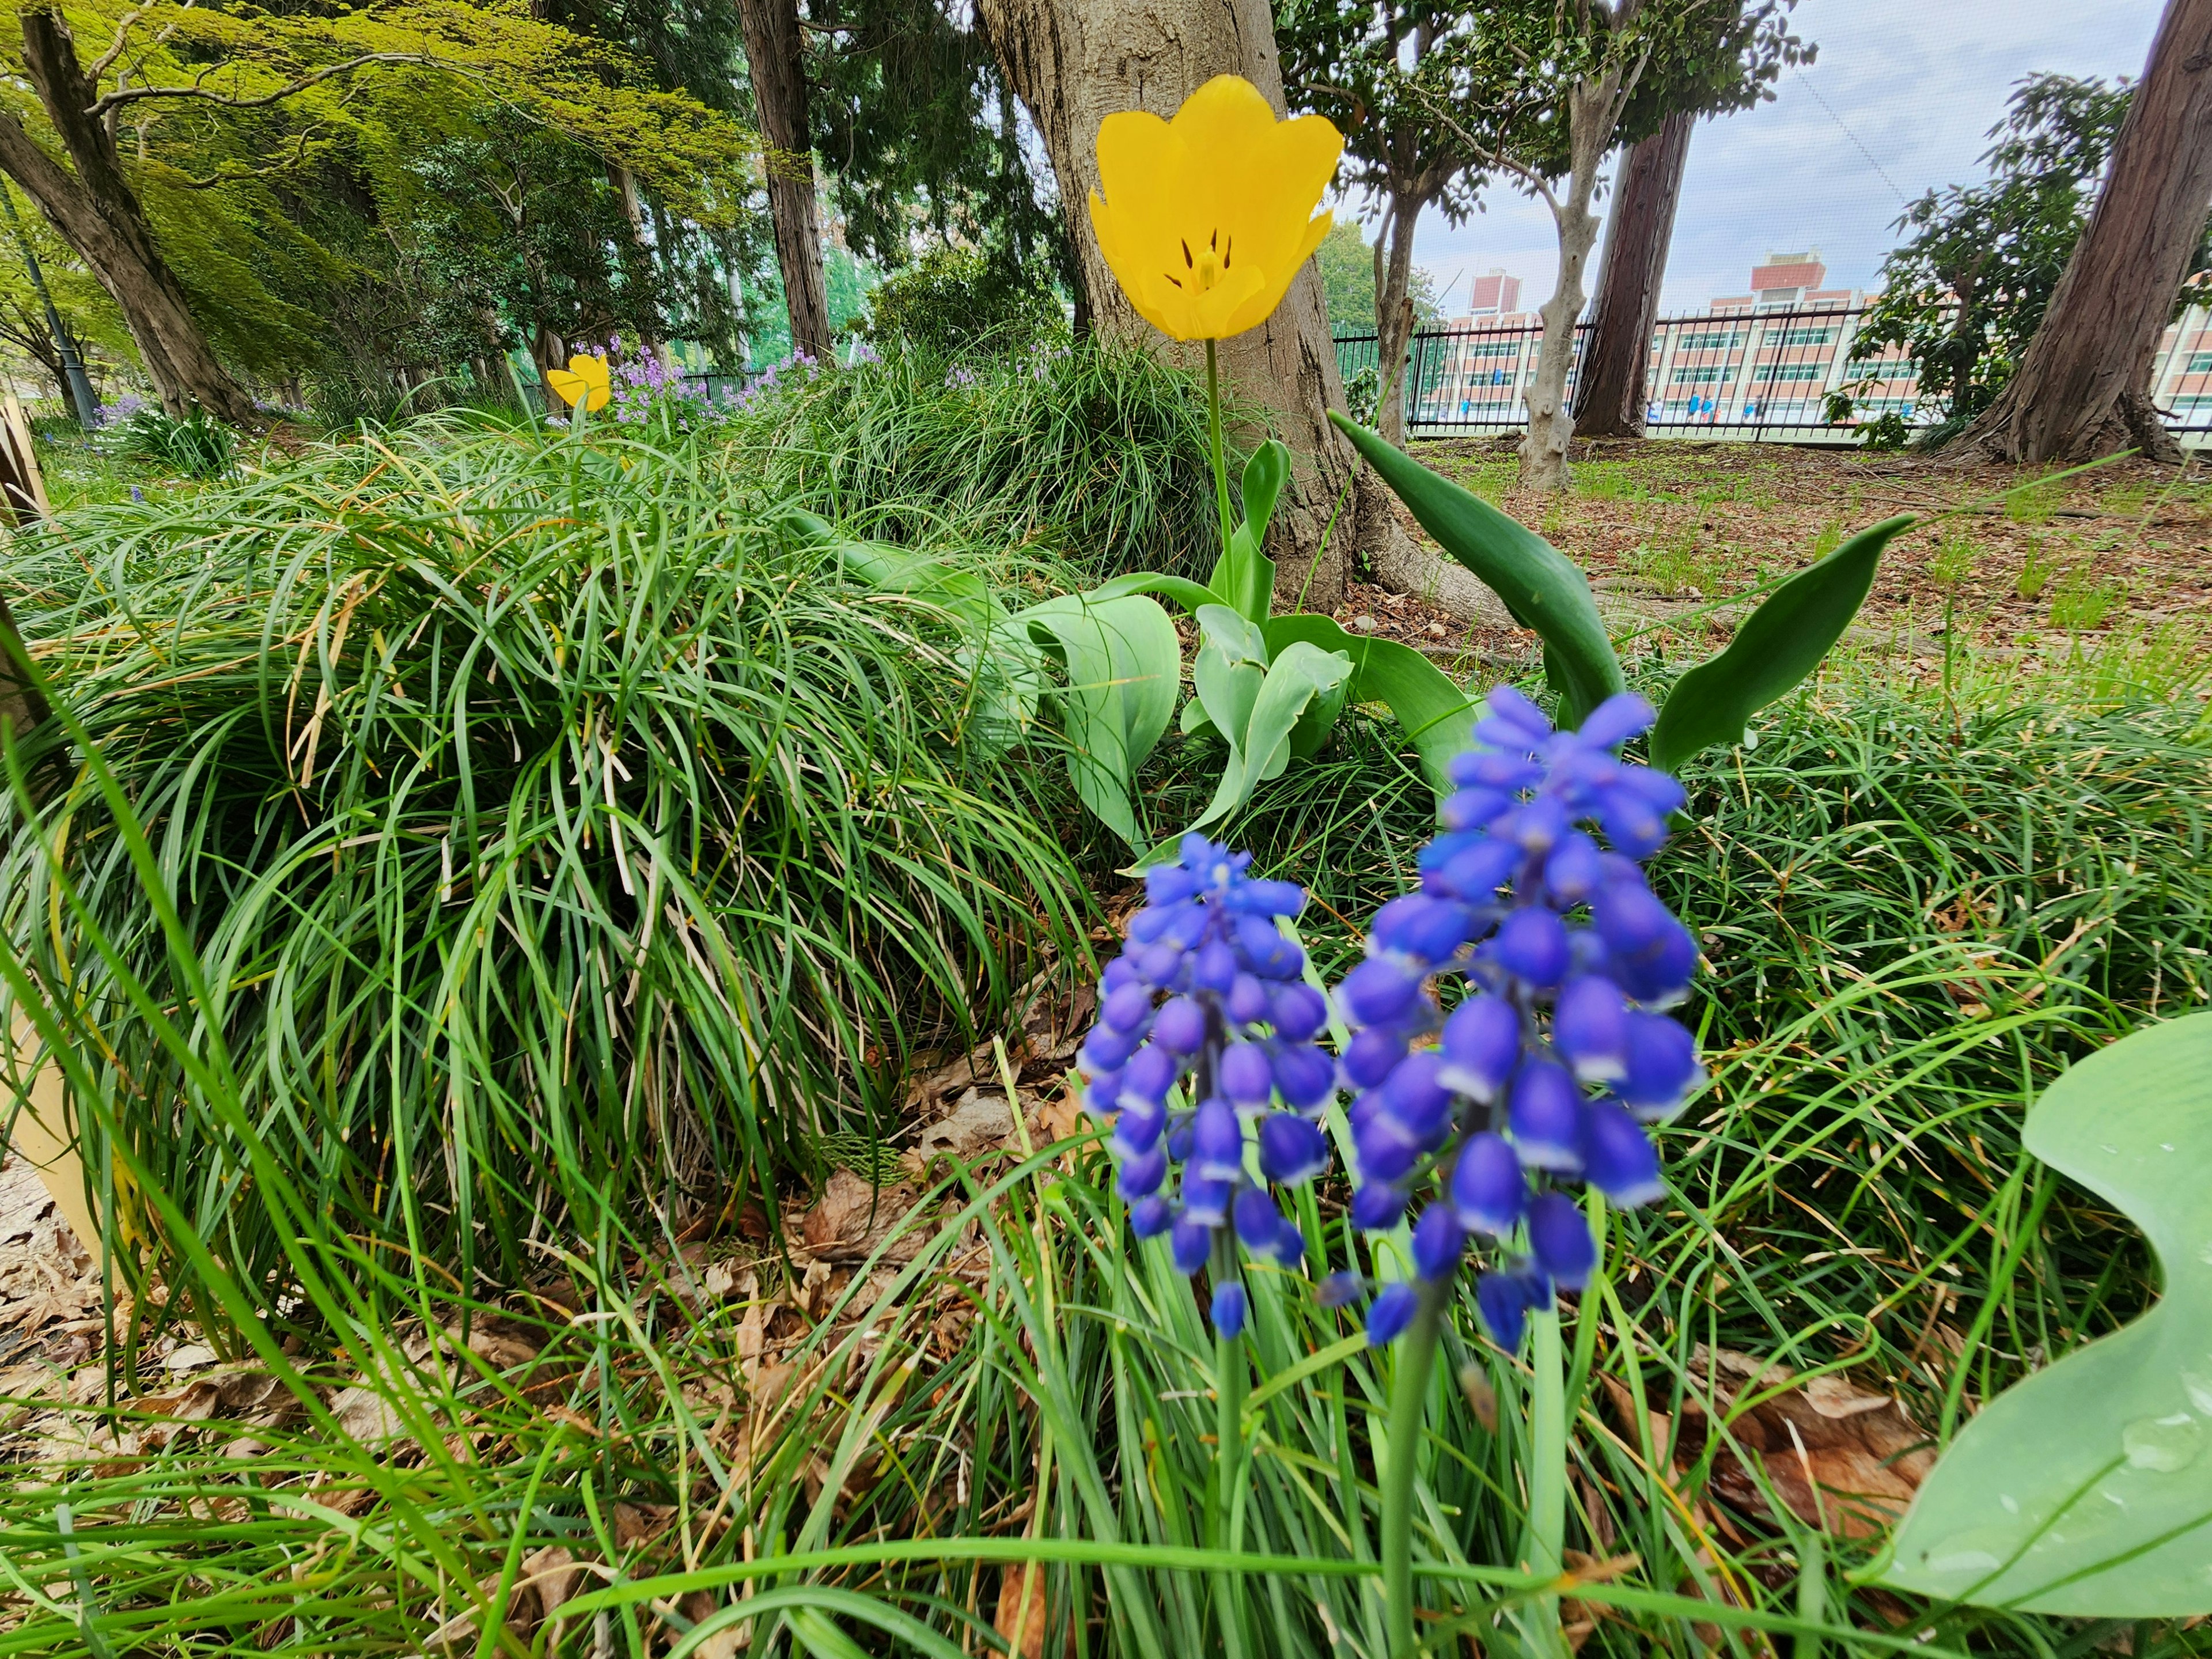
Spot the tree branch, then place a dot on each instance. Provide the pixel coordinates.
(1490, 157)
(330, 71)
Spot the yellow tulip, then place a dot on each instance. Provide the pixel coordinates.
(584, 381)
(1207, 218)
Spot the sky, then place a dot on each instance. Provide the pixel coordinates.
(1900, 99)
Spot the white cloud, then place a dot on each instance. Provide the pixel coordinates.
(1910, 90)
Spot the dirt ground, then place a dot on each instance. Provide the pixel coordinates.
(1672, 526)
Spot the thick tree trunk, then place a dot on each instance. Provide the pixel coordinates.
(1610, 393)
(21, 706)
(99, 215)
(1074, 62)
(1393, 318)
(2082, 389)
(1592, 109)
(779, 72)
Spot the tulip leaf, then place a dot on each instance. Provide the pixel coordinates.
(2086, 1490)
(1438, 715)
(1542, 588)
(1184, 591)
(1778, 645)
(1265, 475)
(1261, 748)
(1123, 663)
(1231, 667)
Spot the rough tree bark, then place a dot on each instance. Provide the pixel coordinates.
(1610, 393)
(1593, 110)
(20, 705)
(779, 73)
(2082, 389)
(95, 209)
(1394, 311)
(1074, 62)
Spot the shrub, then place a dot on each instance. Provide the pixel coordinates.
(199, 445)
(955, 301)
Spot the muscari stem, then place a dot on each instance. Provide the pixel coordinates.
(1409, 1404)
(1548, 1479)
(1228, 1440)
(1214, 445)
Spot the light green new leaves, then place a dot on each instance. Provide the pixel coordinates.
(1541, 585)
(1778, 645)
(2087, 1489)
(1123, 664)
(1245, 577)
(1255, 701)
(1436, 714)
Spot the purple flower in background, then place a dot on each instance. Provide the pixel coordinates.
(1203, 1064)
(959, 377)
(1547, 1071)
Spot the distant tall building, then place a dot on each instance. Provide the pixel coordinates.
(1495, 294)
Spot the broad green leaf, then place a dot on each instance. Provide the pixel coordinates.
(1262, 749)
(1184, 591)
(2086, 1490)
(1265, 475)
(1778, 645)
(1319, 721)
(1124, 664)
(1245, 577)
(1438, 715)
(1231, 667)
(1541, 587)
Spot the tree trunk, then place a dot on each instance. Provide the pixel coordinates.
(96, 212)
(20, 705)
(772, 52)
(1393, 320)
(1074, 62)
(1591, 110)
(2082, 389)
(1610, 393)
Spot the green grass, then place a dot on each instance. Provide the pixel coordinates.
(2081, 599)
(552, 836)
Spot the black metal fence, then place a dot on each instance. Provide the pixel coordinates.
(1752, 375)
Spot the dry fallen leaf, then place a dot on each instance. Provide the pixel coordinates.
(978, 1123)
(851, 1218)
(1021, 1609)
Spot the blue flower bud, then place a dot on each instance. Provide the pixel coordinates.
(1137, 1131)
(1511, 704)
(1244, 1075)
(1383, 1152)
(1389, 1313)
(1159, 964)
(1126, 1010)
(1496, 768)
(1481, 1045)
(1371, 1055)
(1150, 1217)
(1489, 1194)
(1340, 1290)
(1473, 808)
(1180, 1027)
(1260, 1227)
(1117, 972)
(1536, 828)
(1614, 721)
(1102, 1094)
(1196, 851)
(1377, 1205)
(1422, 929)
(1292, 1150)
(1648, 951)
(1531, 945)
(1214, 967)
(1544, 1109)
(1590, 1027)
(1228, 1309)
(1415, 1097)
(1217, 1146)
(1108, 1050)
(1266, 951)
(1248, 1001)
(1141, 1176)
(1631, 823)
(1476, 873)
(1267, 898)
(1304, 1076)
(1169, 883)
(1297, 1011)
(1661, 1069)
(1376, 992)
(1179, 1142)
(1205, 1202)
(1573, 872)
(1438, 1242)
(1560, 1240)
(1189, 1242)
(1618, 1157)
(1502, 1300)
(1149, 1075)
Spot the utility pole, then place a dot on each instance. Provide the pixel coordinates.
(80, 386)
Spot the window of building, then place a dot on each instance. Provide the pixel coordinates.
(1780, 372)
(2200, 362)
(1808, 336)
(1687, 375)
(1719, 341)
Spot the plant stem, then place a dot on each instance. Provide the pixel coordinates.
(1409, 1404)
(1547, 1478)
(1213, 446)
(1229, 1436)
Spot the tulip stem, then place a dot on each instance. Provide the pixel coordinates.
(1214, 445)
(1409, 1407)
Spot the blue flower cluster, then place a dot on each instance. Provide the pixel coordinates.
(1549, 1068)
(1207, 1006)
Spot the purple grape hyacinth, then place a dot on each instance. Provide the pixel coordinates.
(1203, 1063)
(1548, 1070)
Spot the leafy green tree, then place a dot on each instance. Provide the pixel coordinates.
(1966, 291)
(1346, 265)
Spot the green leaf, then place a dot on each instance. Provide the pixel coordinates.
(1184, 591)
(1778, 645)
(2087, 1489)
(1231, 668)
(1262, 749)
(1438, 715)
(1265, 475)
(1124, 664)
(1541, 587)
(1245, 577)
